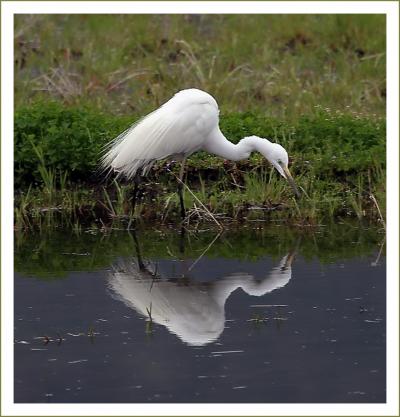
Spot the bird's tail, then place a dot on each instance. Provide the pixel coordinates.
(139, 147)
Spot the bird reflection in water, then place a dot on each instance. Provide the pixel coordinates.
(193, 310)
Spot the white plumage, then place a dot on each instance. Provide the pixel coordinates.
(177, 129)
(188, 122)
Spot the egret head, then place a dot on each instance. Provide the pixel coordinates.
(278, 157)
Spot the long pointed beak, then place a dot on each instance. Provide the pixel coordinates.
(291, 182)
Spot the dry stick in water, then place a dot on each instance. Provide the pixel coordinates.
(207, 248)
(372, 197)
(202, 205)
(376, 262)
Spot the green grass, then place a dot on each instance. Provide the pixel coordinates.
(281, 65)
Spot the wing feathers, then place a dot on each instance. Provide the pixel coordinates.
(139, 146)
(180, 126)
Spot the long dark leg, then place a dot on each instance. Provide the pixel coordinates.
(182, 241)
(180, 189)
(136, 182)
(135, 194)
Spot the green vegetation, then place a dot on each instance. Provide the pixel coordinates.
(337, 159)
(314, 83)
(61, 139)
(70, 140)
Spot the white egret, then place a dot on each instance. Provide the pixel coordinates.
(187, 123)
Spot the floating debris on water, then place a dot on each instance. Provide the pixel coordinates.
(269, 305)
(356, 393)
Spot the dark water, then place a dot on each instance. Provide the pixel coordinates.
(249, 316)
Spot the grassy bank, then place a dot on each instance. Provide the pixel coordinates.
(313, 83)
(338, 160)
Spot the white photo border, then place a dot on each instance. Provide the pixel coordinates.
(391, 9)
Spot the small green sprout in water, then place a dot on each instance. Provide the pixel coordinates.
(258, 319)
(60, 339)
(149, 322)
(149, 312)
(91, 334)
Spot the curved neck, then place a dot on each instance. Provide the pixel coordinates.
(278, 277)
(218, 144)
